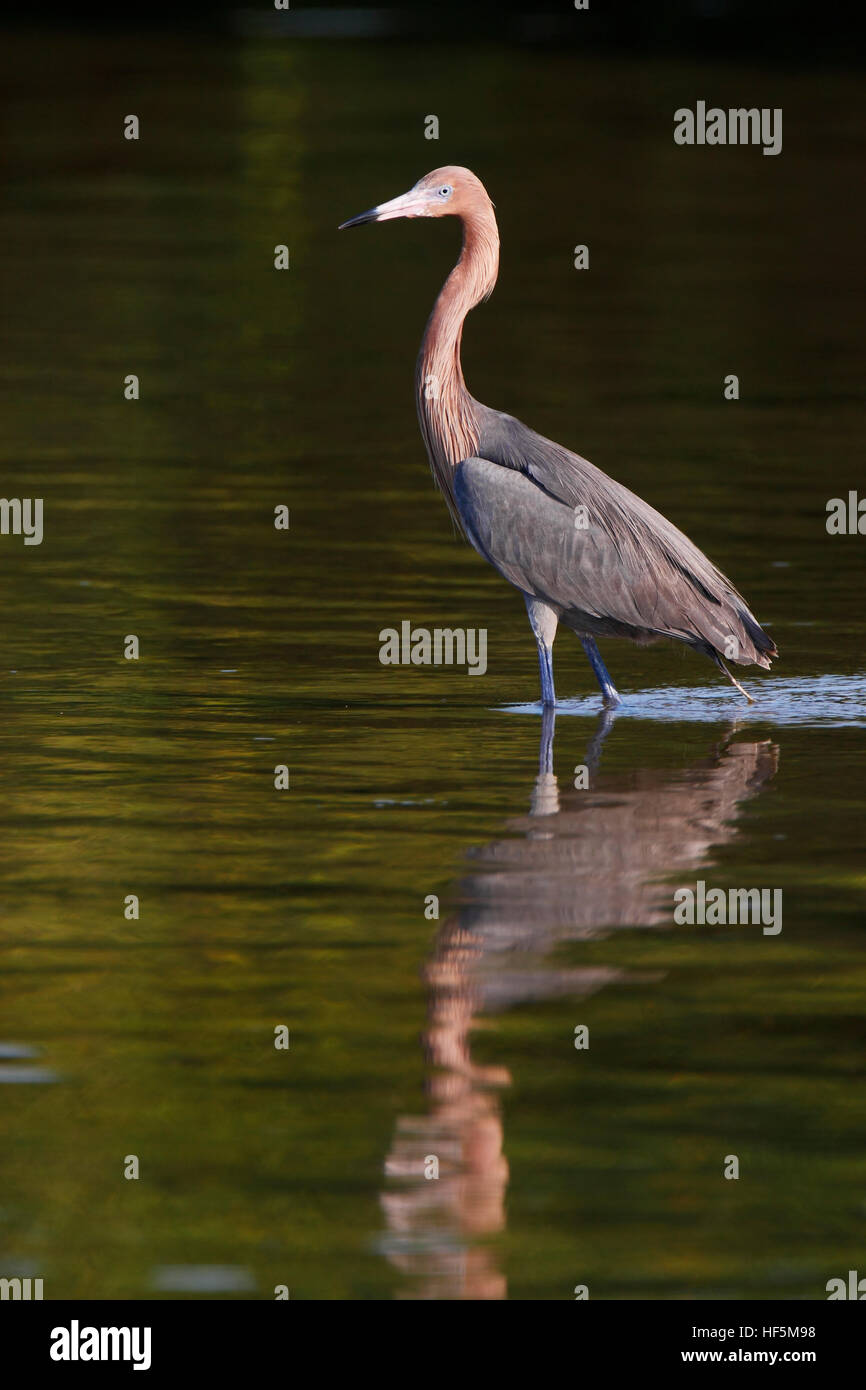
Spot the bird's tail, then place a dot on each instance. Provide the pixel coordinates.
(764, 647)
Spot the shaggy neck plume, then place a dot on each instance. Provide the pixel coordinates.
(446, 411)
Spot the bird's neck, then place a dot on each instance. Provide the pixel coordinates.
(446, 411)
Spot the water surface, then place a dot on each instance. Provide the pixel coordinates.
(412, 1035)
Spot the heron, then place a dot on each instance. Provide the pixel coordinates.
(582, 549)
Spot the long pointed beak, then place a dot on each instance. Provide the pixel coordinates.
(411, 204)
(372, 215)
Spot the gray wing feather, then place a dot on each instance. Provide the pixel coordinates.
(630, 572)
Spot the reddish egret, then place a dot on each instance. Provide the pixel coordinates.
(581, 548)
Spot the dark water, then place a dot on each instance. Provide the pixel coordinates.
(412, 1036)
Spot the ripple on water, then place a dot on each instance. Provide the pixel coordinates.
(11, 1074)
(824, 701)
(202, 1279)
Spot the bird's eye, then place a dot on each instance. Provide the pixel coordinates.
(445, 191)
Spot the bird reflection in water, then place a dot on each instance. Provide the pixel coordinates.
(579, 866)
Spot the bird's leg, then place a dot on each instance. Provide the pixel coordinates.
(609, 692)
(545, 793)
(593, 749)
(545, 747)
(722, 667)
(543, 621)
(545, 665)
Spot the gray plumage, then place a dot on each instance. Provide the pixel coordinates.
(580, 548)
(629, 573)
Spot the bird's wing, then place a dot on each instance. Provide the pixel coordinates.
(559, 529)
(531, 538)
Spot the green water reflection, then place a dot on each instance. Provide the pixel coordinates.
(259, 647)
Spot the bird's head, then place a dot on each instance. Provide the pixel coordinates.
(449, 191)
